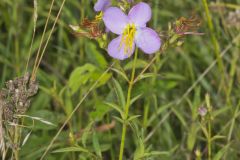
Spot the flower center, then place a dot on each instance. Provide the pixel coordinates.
(99, 16)
(128, 38)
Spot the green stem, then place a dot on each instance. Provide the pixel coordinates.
(124, 128)
(214, 41)
(16, 143)
(209, 120)
(208, 126)
(145, 114)
(209, 140)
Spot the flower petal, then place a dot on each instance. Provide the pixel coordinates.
(117, 52)
(140, 14)
(102, 5)
(147, 40)
(115, 20)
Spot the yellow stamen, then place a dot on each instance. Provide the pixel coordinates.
(128, 38)
(99, 16)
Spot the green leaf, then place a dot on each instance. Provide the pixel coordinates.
(191, 139)
(133, 117)
(101, 109)
(217, 137)
(204, 129)
(167, 85)
(86, 133)
(104, 79)
(119, 92)
(68, 102)
(118, 119)
(174, 76)
(139, 64)
(43, 119)
(80, 76)
(147, 75)
(116, 107)
(135, 98)
(94, 55)
(96, 144)
(71, 149)
(121, 73)
(220, 111)
(221, 152)
(155, 153)
(26, 138)
(139, 153)
(180, 117)
(160, 110)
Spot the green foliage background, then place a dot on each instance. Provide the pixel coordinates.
(167, 97)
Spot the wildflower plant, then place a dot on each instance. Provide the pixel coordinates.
(114, 102)
(130, 26)
(131, 30)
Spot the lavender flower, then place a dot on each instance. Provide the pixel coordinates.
(132, 31)
(102, 5)
(202, 111)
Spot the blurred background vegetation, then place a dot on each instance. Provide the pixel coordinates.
(168, 96)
